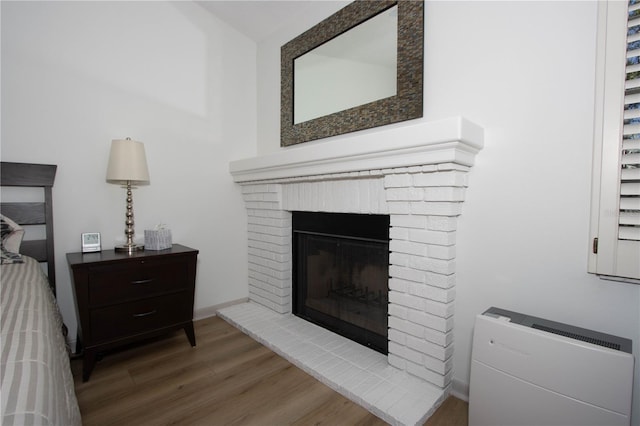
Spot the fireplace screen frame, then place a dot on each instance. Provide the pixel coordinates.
(349, 227)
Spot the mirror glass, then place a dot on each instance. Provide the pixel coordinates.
(381, 42)
(355, 68)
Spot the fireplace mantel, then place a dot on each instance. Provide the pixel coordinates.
(453, 140)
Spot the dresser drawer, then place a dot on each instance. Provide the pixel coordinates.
(126, 319)
(134, 280)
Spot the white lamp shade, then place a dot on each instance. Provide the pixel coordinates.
(127, 162)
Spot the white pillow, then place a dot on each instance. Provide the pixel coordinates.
(12, 234)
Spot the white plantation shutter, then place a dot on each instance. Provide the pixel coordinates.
(629, 214)
(615, 220)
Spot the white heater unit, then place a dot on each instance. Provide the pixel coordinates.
(530, 371)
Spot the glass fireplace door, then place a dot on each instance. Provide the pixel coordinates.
(341, 283)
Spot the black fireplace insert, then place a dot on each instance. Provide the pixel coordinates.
(341, 274)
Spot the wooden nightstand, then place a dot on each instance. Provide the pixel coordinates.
(122, 298)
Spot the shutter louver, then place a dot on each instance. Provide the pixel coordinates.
(629, 208)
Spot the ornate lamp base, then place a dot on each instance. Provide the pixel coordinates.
(129, 247)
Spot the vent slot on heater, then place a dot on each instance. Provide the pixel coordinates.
(575, 336)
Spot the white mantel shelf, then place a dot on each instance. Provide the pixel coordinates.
(452, 140)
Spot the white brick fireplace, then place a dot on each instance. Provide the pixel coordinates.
(417, 174)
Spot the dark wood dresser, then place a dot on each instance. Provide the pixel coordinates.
(122, 298)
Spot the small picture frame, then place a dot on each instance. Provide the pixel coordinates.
(91, 242)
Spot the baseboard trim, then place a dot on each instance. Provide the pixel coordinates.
(211, 311)
(460, 389)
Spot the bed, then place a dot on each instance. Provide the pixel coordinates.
(36, 383)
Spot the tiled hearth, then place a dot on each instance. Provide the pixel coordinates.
(415, 174)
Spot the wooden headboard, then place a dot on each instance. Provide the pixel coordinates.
(32, 213)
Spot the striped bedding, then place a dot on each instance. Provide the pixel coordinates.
(36, 382)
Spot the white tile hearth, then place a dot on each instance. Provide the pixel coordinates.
(360, 374)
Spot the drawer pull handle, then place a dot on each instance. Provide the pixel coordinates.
(147, 281)
(144, 314)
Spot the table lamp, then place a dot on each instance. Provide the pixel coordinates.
(128, 167)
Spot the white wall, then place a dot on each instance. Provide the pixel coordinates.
(76, 75)
(523, 236)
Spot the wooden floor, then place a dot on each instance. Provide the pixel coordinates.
(227, 379)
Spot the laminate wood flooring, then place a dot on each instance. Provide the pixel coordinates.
(227, 379)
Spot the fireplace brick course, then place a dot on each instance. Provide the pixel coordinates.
(423, 203)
